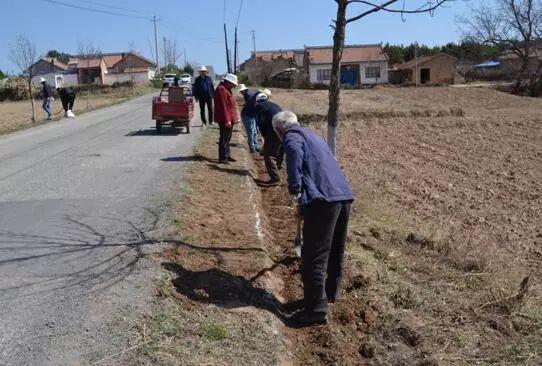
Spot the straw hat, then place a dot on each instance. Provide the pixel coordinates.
(242, 88)
(202, 68)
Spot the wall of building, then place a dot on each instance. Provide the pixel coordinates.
(313, 73)
(443, 70)
(57, 80)
(137, 77)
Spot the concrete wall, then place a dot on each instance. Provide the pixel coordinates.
(57, 80)
(137, 77)
(442, 70)
(313, 73)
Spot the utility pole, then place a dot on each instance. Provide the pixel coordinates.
(235, 53)
(165, 52)
(184, 53)
(416, 58)
(227, 49)
(254, 42)
(156, 45)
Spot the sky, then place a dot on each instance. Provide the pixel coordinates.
(197, 26)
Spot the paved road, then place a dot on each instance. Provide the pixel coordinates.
(79, 202)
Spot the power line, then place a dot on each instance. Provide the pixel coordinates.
(96, 10)
(111, 6)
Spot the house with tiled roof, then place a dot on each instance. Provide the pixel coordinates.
(435, 69)
(360, 64)
(102, 69)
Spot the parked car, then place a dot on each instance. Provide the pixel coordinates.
(168, 78)
(185, 79)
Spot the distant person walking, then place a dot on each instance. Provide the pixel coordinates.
(248, 116)
(204, 91)
(48, 98)
(67, 97)
(318, 185)
(225, 115)
(272, 147)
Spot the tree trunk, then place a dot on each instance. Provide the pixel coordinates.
(335, 82)
(32, 99)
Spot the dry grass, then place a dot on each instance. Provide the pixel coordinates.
(17, 115)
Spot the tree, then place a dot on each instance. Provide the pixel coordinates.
(60, 56)
(339, 26)
(2, 75)
(23, 54)
(171, 52)
(189, 69)
(517, 26)
(87, 51)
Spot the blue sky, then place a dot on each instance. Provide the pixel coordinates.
(198, 26)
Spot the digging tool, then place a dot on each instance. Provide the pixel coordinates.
(298, 241)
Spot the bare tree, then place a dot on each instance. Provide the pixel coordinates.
(515, 25)
(23, 54)
(341, 21)
(171, 52)
(88, 52)
(132, 64)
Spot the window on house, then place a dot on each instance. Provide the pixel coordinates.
(372, 72)
(323, 74)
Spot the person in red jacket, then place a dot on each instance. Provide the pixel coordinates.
(225, 115)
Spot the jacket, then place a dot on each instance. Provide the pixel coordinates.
(312, 169)
(249, 109)
(66, 93)
(265, 111)
(47, 92)
(203, 88)
(225, 105)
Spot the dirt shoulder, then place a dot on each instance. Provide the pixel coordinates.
(16, 116)
(215, 303)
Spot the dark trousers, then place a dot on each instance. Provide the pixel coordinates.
(272, 157)
(224, 141)
(67, 102)
(202, 103)
(324, 237)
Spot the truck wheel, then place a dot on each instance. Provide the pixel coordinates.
(188, 128)
(158, 127)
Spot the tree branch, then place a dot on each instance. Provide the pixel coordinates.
(425, 8)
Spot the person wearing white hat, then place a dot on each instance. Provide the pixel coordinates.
(48, 98)
(248, 116)
(266, 92)
(225, 115)
(272, 148)
(204, 90)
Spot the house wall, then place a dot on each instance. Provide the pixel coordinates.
(138, 77)
(313, 73)
(442, 70)
(57, 80)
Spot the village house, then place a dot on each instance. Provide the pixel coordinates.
(436, 69)
(263, 65)
(103, 69)
(360, 65)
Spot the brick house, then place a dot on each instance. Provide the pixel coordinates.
(436, 69)
(262, 65)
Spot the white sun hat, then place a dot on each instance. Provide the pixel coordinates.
(242, 87)
(42, 80)
(202, 68)
(266, 92)
(231, 78)
(261, 96)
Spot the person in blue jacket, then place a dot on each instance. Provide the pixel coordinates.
(48, 98)
(272, 149)
(248, 116)
(204, 92)
(317, 183)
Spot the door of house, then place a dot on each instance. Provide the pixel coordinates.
(349, 75)
(425, 76)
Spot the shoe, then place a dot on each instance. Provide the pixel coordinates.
(70, 114)
(304, 318)
(232, 159)
(224, 162)
(49, 118)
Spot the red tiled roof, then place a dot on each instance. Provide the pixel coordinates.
(89, 63)
(273, 55)
(324, 55)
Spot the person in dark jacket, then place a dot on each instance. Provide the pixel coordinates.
(272, 149)
(248, 116)
(204, 91)
(48, 98)
(225, 115)
(67, 97)
(318, 185)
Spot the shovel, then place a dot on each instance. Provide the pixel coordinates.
(298, 240)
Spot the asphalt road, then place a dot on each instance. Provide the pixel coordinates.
(80, 203)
